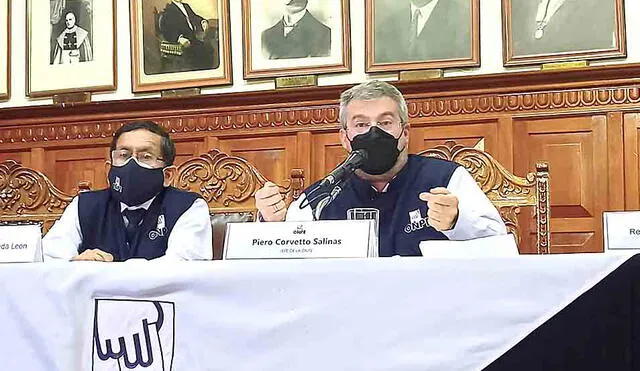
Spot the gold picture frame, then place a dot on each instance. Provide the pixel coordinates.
(447, 35)
(5, 51)
(544, 32)
(75, 60)
(173, 51)
(272, 51)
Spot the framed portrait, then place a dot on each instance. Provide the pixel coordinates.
(71, 46)
(5, 49)
(406, 35)
(545, 31)
(180, 44)
(295, 37)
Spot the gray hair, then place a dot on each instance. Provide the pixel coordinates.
(370, 90)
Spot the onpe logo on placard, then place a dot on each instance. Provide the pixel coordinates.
(299, 229)
(133, 335)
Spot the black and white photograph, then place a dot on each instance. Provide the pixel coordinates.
(418, 34)
(71, 31)
(5, 49)
(71, 46)
(297, 33)
(294, 37)
(557, 30)
(180, 43)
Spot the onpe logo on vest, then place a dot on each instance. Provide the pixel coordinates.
(416, 221)
(160, 230)
(116, 185)
(133, 335)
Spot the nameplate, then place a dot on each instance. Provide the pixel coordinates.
(564, 65)
(20, 244)
(296, 81)
(179, 93)
(420, 75)
(70, 99)
(296, 240)
(621, 230)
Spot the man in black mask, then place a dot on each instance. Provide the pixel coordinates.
(418, 198)
(139, 215)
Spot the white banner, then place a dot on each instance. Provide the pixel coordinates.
(327, 314)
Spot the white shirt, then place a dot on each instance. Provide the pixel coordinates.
(424, 15)
(190, 238)
(477, 217)
(184, 11)
(290, 20)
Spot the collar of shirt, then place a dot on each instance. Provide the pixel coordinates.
(291, 20)
(145, 205)
(425, 13)
(546, 10)
(361, 186)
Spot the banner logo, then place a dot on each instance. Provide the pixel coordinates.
(133, 335)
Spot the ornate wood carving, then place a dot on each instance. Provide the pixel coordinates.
(229, 182)
(505, 190)
(26, 195)
(317, 107)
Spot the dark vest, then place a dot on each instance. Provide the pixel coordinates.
(398, 233)
(103, 228)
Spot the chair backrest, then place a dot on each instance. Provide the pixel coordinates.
(28, 196)
(228, 184)
(505, 190)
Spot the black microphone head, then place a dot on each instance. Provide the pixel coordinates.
(357, 158)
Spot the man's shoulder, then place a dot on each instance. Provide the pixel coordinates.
(428, 163)
(179, 195)
(171, 9)
(311, 21)
(273, 30)
(431, 160)
(97, 194)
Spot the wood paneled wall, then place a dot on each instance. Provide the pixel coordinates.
(585, 123)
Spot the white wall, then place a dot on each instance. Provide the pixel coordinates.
(490, 37)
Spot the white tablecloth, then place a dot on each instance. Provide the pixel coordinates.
(351, 314)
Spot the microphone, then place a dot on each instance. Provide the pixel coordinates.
(354, 161)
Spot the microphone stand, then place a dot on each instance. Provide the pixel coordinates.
(328, 199)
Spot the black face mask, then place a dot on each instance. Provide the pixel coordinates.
(133, 184)
(381, 147)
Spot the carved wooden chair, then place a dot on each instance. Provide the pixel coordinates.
(228, 184)
(506, 191)
(28, 196)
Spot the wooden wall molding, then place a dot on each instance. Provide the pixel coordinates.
(525, 102)
(503, 85)
(77, 127)
(195, 123)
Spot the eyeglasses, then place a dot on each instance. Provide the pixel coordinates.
(121, 156)
(364, 126)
